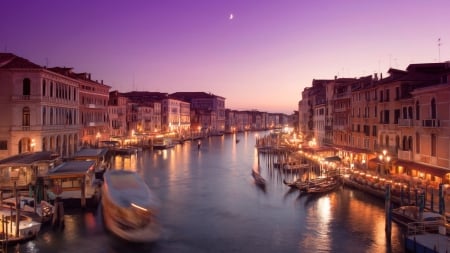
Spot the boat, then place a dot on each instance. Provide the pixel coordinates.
(405, 215)
(129, 207)
(303, 185)
(163, 143)
(327, 185)
(259, 180)
(44, 209)
(28, 228)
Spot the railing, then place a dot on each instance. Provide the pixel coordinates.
(430, 123)
(428, 227)
(404, 154)
(405, 122)
(21, 97)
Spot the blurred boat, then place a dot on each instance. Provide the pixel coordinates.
(129, 207)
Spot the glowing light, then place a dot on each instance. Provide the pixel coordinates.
(139, 207)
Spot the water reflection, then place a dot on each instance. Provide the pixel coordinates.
(210, 203)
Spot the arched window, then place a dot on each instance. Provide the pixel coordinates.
(51, 116)
(417, 143)
(44, 116)
(433, 108)
(417, 110)
(44, 84)
(397, 142)
(387, 140)
(26, 87)
(404, 144)
(410, 112)
(26, 116)
(410, 142)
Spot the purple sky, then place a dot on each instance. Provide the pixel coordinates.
(261, 59)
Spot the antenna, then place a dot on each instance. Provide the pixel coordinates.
(134, 86)
(439, 49)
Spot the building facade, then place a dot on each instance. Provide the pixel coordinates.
(39, 108)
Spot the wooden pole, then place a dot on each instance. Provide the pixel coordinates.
(387, 207)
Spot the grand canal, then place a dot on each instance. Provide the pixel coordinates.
(210, 203)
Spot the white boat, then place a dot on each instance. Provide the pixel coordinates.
(28, 228)
(27, 205)
(129, 207)
(163, 143)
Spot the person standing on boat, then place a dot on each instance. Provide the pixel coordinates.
(199, 143)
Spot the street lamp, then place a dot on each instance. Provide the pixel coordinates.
(384, 158)
(32, 145)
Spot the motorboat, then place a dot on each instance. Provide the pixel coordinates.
(27, 228)
(129, 207)
(409, 214)
(163, 143)
(27, 205)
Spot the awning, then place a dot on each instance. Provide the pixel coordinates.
(353, 149)
(373, 163)
(333, 159)
(435, 171)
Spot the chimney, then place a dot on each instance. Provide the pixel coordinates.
(102, 81)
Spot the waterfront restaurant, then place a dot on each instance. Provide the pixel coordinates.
(73, 180)
(26, 172)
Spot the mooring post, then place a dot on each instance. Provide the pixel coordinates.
(387, 208)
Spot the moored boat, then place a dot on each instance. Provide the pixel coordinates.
(259, 180)
(27, 228)
(405, 215)
(129, 207)
(27, 205)
(324, 187)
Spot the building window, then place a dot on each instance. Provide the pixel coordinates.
(3, 145)
(396, 115)
(374, 131)
(433, 145)
(417, 143)
(26, 116)
(44, 116)
(433, 108)
(26, 87)
(417, 110)
(387, 96)
(43, 87)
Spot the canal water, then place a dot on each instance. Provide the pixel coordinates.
(210, 203)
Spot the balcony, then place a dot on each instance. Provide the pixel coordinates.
(94, 124)
(405, 123)
(405, 155)
(432, 123)
(21, 98)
